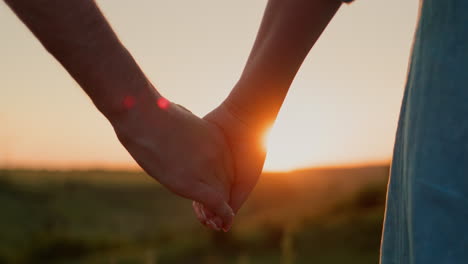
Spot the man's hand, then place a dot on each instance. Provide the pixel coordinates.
(248, 155)
(186, 154)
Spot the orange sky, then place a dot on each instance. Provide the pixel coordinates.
(342, 107)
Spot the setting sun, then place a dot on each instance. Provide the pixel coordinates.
(233, 131)
(325, 133)
(327, 118)
(287, 149)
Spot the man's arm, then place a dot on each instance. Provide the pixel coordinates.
(184, 153)
(76, 33)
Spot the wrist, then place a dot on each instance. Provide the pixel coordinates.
(115, 83)
(137, 107)
(253, 104)
(122, 103)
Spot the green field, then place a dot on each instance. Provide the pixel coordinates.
(308, 216)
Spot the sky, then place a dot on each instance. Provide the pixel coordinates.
(341, 109)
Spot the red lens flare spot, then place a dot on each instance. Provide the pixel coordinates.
(129, 102)
(163, 103)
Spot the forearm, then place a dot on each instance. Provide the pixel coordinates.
(76, 33)
(288, 31)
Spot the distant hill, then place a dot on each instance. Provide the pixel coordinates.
(322, 215)
(303, 176)
(298, 190)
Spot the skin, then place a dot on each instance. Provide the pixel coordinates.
(218, 163)
(196, 165)
(288, 31)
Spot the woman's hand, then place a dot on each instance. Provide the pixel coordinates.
(248, 153)
(186, 154)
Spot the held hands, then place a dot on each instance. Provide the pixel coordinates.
(215, 161)
(186, 154)
(248, 156)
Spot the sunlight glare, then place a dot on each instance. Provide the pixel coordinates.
(277, 147)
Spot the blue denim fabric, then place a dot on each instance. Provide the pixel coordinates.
(426, 219)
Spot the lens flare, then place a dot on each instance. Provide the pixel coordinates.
(163, 103)
(129, 102)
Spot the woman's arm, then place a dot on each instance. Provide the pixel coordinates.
(288, 31)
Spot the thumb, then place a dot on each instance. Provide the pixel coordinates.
(239, 194)
(246, 179)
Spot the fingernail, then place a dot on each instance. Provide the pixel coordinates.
(213, 225)
(227, 228)
(217, 221)
(203, 214)
(231, 212)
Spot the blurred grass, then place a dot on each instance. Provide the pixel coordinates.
(308, 216)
